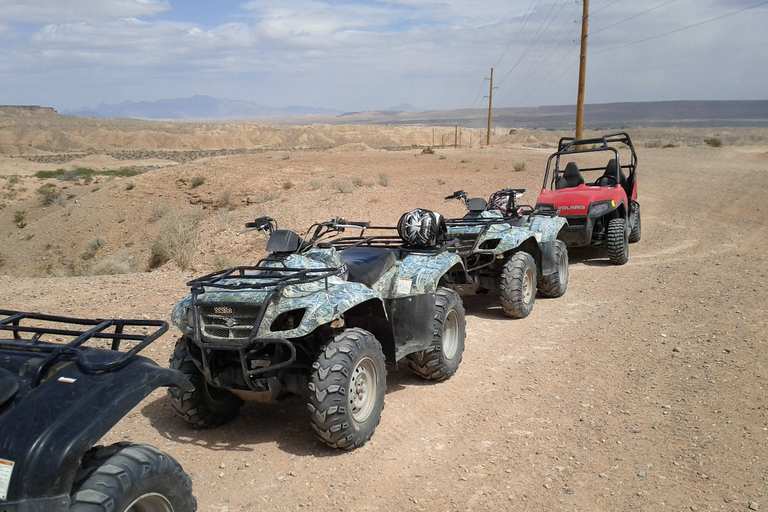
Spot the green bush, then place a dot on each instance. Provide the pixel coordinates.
(18, 218)
(343, 186)
(521, 166)
(197, 181)
(48, 193)
(713, 142)
(383, 179)
(428, 151)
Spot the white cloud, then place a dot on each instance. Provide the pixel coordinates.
(64, 11)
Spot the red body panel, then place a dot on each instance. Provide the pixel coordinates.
(576, 200)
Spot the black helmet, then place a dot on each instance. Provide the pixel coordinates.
(421, 228)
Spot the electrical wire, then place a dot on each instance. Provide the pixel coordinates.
(592, 32)
(679, 29)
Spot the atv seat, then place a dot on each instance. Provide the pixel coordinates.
(8, 386)
(367, 264)
(571, 177)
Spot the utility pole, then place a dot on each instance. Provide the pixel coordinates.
(582, 71)
(490, 103)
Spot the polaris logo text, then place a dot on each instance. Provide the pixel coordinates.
(574, 207)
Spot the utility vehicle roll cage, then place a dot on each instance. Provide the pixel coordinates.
(571, 145)
(53, 325)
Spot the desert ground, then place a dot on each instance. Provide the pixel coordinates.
(642, 388)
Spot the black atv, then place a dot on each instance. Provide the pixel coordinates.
(58, 397)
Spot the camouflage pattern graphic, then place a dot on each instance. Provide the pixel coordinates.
(549, 227)
(323, 300)
(420, 273)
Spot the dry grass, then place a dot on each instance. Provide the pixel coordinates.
(178, 238)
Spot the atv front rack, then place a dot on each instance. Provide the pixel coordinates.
(81, 331)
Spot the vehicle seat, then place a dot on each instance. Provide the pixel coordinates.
(608, 179)
(367, 264)
(571, 177)
(8, 386)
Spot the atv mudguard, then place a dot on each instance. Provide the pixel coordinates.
(420, 273)
(322, 304)
(546, 230)
(47, 432)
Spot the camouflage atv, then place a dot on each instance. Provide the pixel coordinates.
(318, 321)
(510, 249)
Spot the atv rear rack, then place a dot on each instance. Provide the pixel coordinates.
(58, 326)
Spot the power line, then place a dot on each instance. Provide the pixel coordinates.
(679, 29)
(593, 32)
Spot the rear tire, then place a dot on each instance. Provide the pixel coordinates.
(207, 406)
(128, 477)
(554, 285)
(636, 232)
(347, 389)
(442, 358)
(618, 241)
(518, 285)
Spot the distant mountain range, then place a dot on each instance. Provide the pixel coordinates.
(196, 107)
(597, 116)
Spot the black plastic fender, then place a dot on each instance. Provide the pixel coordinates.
(46, 434)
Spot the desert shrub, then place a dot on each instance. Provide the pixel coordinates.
(223, 198)
(18, 218)
(713, 142)
(177, 240)
(266, 196)
(13, 179)
(383, 179)
(197, 181)
(428, 151)
(93, 245)
(360, 182)
(123, 263)
(158, 211)
(440, 181)
(520, 166)
(315, 184)
(129, 185)
(221, 262)
(343, 186)
(442, 157)
(287, 185)
(286, 157)
(464, 161)
(48, 193)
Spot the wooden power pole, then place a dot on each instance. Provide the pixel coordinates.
(490, 102)
(582, 71)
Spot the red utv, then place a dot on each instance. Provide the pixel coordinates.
(596, 192)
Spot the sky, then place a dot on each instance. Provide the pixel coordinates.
(354, 55)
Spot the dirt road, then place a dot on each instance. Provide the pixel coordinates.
(643, 388)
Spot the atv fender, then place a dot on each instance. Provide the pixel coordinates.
(320, 307)
(47, 433)
(420, 273)
(510, 238)
(549, 227)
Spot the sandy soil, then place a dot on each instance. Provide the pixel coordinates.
(643, 388)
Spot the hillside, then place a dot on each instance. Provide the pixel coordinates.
(642, 388)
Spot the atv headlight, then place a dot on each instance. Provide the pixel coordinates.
(601, 208)
(545, 206)
(191, 318)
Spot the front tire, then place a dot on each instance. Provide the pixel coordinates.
(442, 358)
(554, 285)
(207, 406)
(618, 241)
(128, 477)
(636, 231)
(518, 285)
(347, 389)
